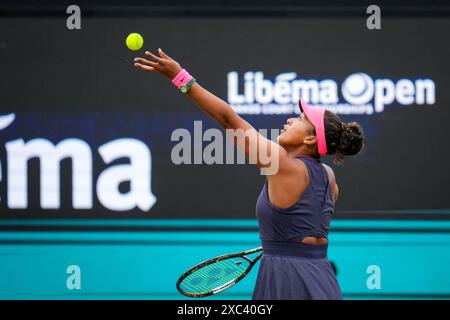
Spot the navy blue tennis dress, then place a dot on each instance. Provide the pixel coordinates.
(291, 269)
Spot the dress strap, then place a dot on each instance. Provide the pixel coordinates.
(319, 205)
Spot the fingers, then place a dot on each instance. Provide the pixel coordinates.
(156, 65)
(146, 62)
(163, 54)
(144, 67)
(156, 58)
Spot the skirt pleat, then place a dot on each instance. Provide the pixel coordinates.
(296, 278)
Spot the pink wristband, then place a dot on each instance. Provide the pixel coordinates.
(182, 78)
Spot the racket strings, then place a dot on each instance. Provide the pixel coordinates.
(214, 275)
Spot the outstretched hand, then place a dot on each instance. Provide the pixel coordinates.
(163, 64)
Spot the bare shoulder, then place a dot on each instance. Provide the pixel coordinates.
(330, 172)
(332, 179)
(289, 166)
(289, 184)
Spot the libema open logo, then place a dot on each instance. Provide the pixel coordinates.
(357, 94)
(137, 172)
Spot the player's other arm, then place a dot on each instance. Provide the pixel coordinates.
(332, 180)
(246, 137)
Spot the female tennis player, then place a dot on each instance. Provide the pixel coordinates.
(296, 203)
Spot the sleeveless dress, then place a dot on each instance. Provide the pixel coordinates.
(290, 269)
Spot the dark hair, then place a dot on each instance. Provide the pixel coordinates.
(343, 139)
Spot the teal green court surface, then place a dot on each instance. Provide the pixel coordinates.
(130, 259)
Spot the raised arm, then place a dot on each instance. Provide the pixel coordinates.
(246, 137)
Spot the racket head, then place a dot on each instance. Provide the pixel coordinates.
(217, 274)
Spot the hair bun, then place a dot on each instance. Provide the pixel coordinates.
(351, 138)
(342, 138)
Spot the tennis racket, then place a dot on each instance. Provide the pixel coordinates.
(217, 274)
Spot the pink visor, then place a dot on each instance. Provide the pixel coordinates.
(316, 117)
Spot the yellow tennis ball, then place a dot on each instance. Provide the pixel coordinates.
(134, 41)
